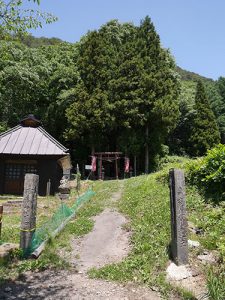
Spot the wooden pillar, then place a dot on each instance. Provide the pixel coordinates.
(48, 187)
(179, 243)
(28, 223)
(100, 173)
(1, 213)
(116, 167)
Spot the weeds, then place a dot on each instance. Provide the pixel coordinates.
(216, 283)
(50, 258)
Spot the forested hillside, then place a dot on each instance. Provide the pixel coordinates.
(116, 89)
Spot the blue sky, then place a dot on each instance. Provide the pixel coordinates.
(192, 29)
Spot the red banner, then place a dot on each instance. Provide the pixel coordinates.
(93, 164)
(127, 165)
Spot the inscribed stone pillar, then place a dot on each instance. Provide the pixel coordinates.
(28, 223)
(179, 243)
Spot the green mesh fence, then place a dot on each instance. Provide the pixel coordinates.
(47, 229)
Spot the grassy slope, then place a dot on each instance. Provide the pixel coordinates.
(146, 203)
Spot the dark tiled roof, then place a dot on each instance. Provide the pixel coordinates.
(31, 141)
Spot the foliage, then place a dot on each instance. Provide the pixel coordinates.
(32, 81)
(16, 19)
(178, 138)
(218, 104)
(3, 127)
(127, 81)
(50, 258)
(191, 76)
(208, 173)
(210, 219)
(34, 42)
(106, 91)
(216, 283)
(204, 133)
(145, 202)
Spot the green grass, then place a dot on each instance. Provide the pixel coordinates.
(79, 226)
(216, 283)
(11, 220)
(145, 203)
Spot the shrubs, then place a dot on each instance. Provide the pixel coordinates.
(208, 173)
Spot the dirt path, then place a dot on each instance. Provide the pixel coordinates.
(108, 242)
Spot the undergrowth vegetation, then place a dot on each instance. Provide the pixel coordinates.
(208, 173)
(145, 203)
(51, 258)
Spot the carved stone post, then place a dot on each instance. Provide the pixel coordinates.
(179, 243)
(28, 223)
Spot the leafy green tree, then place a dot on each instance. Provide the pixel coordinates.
(33, 80)
(178, 138)
(15, 19)
(204, 131)
(20, 74)
(63, 76)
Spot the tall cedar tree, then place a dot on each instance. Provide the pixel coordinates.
(204, 131)
(89, 113)
(159, 83)
(127, 82)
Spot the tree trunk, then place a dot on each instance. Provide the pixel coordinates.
(135, 165)
(92, 150)
(146, 150)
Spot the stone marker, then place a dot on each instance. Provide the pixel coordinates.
(179, 243)
(64, 188)
(29, 208)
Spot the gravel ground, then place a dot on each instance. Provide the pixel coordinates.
(64, 285)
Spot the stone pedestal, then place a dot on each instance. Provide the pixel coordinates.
(5, 251)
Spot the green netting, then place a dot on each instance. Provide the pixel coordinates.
(60, 216)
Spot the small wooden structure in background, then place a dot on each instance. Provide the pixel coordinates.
(28, 148)
(110, 157)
